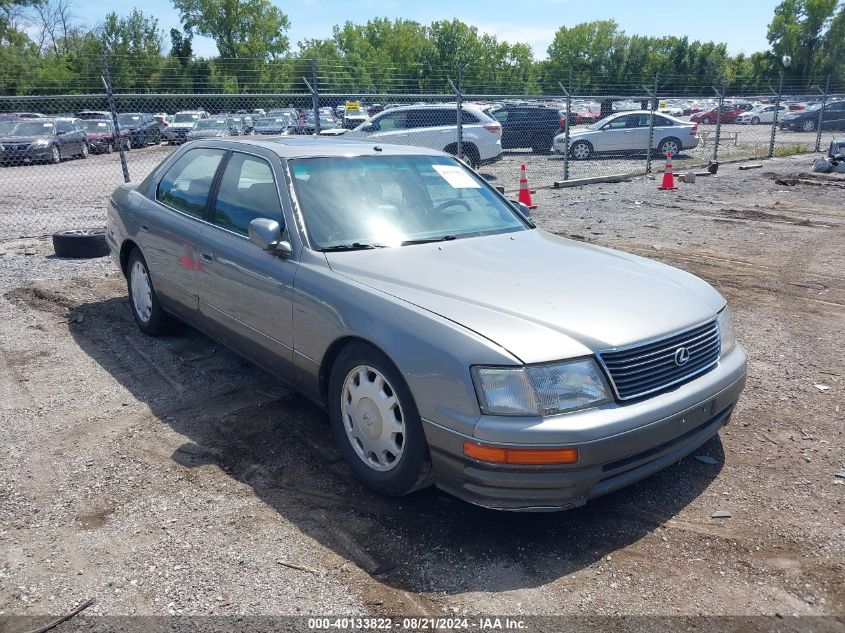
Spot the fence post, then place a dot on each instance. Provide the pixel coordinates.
(106, 77)
(315, 96)
(775, 117)
(721, 103)
(568, 93)
(821, 115)
(652, 106)
(459, 89)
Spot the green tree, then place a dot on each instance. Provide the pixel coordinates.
(799, 33)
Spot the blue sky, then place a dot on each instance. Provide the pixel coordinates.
(741, 24)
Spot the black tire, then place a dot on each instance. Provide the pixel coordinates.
(470, 153)
(80, 243)
(56, 155)
(662, 148)
(83, 153)
(809, 125)
(755, 120)
(109, 147)
(159, 322)
(580, 150)
(413, 469)
(128, 146)
(705, 120)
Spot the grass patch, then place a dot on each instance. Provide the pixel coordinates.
(791, 150)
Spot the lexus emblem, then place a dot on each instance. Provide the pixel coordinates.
(681, 356)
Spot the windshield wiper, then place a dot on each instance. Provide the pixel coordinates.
(354, 246)
(429, 240)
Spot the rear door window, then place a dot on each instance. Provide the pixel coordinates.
(186, 185)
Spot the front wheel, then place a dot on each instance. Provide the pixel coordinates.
(755, 120)
(808, 126)
(376, 423)
(143, 300)
(55, 155)
(84, 151)
(706, 120)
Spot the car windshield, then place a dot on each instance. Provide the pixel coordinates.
(210, 124)
(185, 118)
(129, 119)
(372, 201)
(96, 126)
(33, 128)
(7, 126)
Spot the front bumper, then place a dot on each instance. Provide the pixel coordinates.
(14, 157)
(617, 445)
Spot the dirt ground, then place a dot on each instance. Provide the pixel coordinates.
(168, 476)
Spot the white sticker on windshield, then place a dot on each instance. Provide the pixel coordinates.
(47, 124)
(456, 177)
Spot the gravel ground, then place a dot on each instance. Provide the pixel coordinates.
(41, 199)
(168, 476)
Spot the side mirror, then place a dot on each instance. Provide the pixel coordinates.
(267, 235)
(522, 208)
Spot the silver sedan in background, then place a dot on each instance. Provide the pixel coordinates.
(451, 341)
(628, 133)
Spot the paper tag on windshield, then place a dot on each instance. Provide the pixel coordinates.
(456, 177)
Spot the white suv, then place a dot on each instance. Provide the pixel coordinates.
(435, 127)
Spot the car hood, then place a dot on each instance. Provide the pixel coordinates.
(539, 296)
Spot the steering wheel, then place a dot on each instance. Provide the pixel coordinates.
(450, 203)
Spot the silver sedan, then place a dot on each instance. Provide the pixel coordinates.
(451, 341)
(628, 133)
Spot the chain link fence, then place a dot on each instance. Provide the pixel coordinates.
(62, 155)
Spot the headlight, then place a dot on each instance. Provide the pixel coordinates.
(540, 389)
(42, 142)
(726, 330)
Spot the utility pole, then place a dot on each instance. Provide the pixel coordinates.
(652, 93)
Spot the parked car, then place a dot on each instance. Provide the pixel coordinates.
(163, 121)
(761, 114)
(627, 133)
(102, 137)
(273, 125)
(44, 140)
(808, 120)
(729, 115)
(180, 124)
(435, 126)
(143, 128)
(93, 114)
(353, 117)
(307, 125)
(510, 385)
(529, 126)
(213, 127)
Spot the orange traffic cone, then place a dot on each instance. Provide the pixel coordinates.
(524, 192)
(668, 177)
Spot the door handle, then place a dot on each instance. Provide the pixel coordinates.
(207, 257)
(145, 228)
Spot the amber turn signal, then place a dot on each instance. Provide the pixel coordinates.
(523, 456)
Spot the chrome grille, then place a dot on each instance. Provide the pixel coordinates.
(650, 367)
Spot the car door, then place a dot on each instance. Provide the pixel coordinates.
(834, 116)
(170, 228)
(65, 140)
(245, 292)
(617, 134)
(503, 116)
(389, 127)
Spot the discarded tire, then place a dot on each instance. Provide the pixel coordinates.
(80, 243)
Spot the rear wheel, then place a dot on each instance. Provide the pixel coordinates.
(149, 316)
(109, 147)
(470, 153)
(542, 144)
(808, 126)
(581, 150)
(669, 145)
(706, 120)
(376, 422)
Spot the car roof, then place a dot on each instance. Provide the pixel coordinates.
(309, 147)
